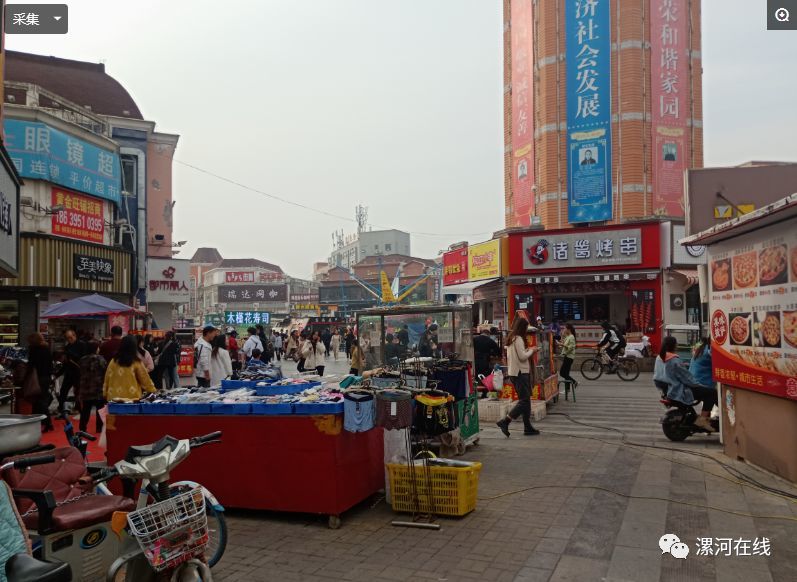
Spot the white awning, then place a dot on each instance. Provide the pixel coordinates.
(466, 288)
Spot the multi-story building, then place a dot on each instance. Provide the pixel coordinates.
(352, 249)
(90, 197)
(602, 116)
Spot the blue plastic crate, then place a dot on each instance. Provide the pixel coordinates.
(284, 389)
(192, 408)
(116, 408)
(230, 408)
(262, 408)
(158, 408)
(318, 408)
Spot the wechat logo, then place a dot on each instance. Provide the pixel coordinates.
(671, 544)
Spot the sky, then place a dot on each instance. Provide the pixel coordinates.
(394, 105)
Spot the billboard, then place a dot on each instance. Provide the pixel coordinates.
(455, 267)
(522, 112)
(167, 281)
(589, 110)
(583, 249)
(753, 308)
(484, 260)
(239, 277)
(669, 37)
(253, 293)
(42, 152)
(82, 218)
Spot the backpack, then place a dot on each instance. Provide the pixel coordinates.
(197, 352)
(621, 339)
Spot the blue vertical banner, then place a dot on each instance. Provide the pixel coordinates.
(589, 110)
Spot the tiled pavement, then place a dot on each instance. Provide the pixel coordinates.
(563, 529)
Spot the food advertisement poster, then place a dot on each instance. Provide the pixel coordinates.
(753, 307)
(484, 260)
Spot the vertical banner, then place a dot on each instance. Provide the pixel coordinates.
(522, 112)
(589, 110)
(669, 83)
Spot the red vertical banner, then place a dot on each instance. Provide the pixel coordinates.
(522, 112)
(669, 56)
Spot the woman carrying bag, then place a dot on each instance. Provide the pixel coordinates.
(520, 373)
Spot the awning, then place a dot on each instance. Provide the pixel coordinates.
(88, 306)
(588, 277)
(688, 275)
(466, 288)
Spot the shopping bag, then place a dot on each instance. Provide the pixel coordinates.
(31, 389)
(488, 381)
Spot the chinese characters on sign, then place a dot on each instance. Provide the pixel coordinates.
(251, 293)
(484, 260)
(304, 297)
(167, 281)
(455, 267)
(270, 276)
(44, 153)
(669, 87)
(82, 218)
(239, 277)
(733, 547)
(522, 113)
(618, 247)
(246, 318)
(305, 307)
(589, 182)
(95, 268)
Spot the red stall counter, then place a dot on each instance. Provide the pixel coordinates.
(304, 464)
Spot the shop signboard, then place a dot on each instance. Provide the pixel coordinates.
(186, 365)
(214, 319)
(484, 260)
(266, 276)
(582, 249)
(246, 318)
(244, 293)
(299, 297)
(167, 281)
(670, 67)
(689, 254)
(42, 152)
(589, 109)
(9, 223)
(455, 267)
(753, 309)
(82, 218)
(522, 113)
(239, 277)
(94, 268)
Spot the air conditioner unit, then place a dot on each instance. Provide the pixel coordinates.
(536, 221)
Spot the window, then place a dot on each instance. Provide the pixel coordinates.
(9, 323)
(388, 247)
(376, 248)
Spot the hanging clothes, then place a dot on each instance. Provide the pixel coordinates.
(434, 413)
(394, 409)
(359, 411)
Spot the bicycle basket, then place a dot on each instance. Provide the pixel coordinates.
(173, 531)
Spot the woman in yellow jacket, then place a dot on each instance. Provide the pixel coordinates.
(126, 378)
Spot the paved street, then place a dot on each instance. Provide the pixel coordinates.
(566, 505)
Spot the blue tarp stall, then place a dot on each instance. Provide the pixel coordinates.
(89, 306)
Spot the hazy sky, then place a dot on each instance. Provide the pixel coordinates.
(396, 105)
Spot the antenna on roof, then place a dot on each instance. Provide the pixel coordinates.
(361, 213)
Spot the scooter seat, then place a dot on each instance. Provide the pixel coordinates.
(83, 512)
(24, 568)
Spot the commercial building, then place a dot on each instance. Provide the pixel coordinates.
(352, 249)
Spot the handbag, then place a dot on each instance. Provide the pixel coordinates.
(31, 389)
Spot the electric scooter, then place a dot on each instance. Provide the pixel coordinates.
(678, 423)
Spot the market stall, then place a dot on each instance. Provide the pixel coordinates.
(753, 317)
(93, 313)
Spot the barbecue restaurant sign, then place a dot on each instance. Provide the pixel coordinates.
(167, 281)
(484, 260)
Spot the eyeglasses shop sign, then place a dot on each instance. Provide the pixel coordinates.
(583, 249)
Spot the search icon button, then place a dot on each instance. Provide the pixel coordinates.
(782, 15)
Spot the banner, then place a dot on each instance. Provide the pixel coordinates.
(522, 112)
(42, 152)
(669, 69)
(484, 260)
(239, 276)
(753, 307)
(82, 218)
(455, 267)
(589, 110)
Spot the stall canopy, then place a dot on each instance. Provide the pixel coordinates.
(88, 306)
(466, 288)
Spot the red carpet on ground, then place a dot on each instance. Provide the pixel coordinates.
(57, 437)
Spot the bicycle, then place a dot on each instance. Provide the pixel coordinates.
(627, 368)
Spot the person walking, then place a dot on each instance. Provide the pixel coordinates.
(220, 362)
(290, 346)
(170, 359)
(233, 348)
(252, 343)
(277, 341)
(326, 338)
(684, 387)
(265, 356)
(202, 350)
(40, 359)
(334, 343)
(92, 377)
(520, 374)
(73, 351)
(357, 358)
(403, 336)
(300, 351)
(126, 378)
(145, 356)
(314, 352)
(110, 346)
(568, 346)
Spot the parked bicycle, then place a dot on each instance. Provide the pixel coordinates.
(627, 368)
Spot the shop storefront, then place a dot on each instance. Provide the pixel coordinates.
(586, 276)
(9, 250)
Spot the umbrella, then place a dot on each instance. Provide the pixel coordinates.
(89, 305)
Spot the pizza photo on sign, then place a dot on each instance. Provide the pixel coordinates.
(794, 264)
(772, 265)
(767, 329)
(745, 273)
(790, 328)
(721, 275)
(740, 329)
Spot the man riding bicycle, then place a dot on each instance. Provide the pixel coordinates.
(612, 344)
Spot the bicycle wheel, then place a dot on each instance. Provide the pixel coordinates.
(217, 528)
(628, 369)
(592, 368)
